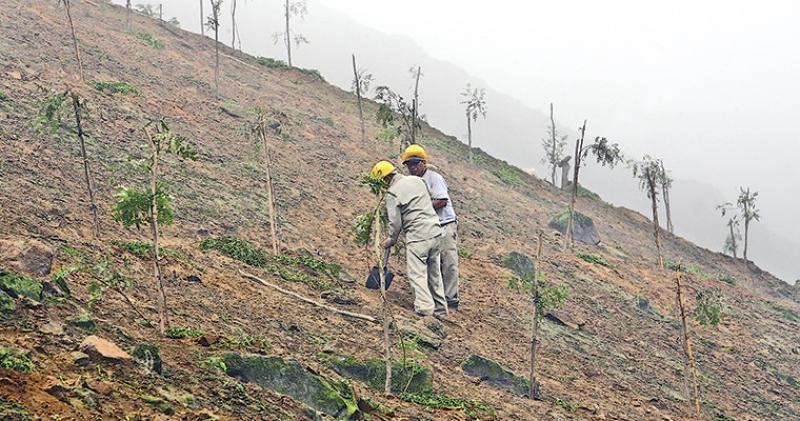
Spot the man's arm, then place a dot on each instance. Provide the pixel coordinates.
(438, 189)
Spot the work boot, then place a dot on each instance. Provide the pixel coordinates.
(452, 305)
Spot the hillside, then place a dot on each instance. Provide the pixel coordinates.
(615, 354)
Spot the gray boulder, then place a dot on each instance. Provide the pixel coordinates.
(584, 228)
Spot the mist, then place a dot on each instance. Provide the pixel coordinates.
(709, 87)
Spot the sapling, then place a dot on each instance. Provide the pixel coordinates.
(291, 9)
(213, 24)
(747, 206)
(687, 343)
(475, 101)
(138, 207)
(553, 146)
(648, 170)
(361, 82)
(392, 107)
(257, 129)
(66, 4)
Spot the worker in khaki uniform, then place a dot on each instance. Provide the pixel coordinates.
(409, 209)
(416, 160)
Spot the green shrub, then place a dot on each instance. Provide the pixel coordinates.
(710, 307)
(272, 63)
(236, 249)
(727, 279)
(508, 175)
(17, 285)
(214, 364)
(464, 252)
(691, 269)
(142, 249)
(15, 360)
(178, 332)
(472, 408)
(565, 404)
(594, 259)
(3, 96)
(149, 40)
(133, 207)
(114, 87)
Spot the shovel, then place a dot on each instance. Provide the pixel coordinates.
(374, 278)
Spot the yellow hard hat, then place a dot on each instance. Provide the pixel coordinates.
(414, 151)
(382, 169)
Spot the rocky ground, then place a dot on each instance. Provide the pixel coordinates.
(78, 328)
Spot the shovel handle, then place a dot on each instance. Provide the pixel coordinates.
(386, 256)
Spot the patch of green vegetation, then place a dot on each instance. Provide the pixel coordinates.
(15, 360)
(233, 109)
(7, 304)
(12, 410)
(149, 40)
(142, 249)
(149, 355)
(17, 285)
(584, 192)
(727, 279)
(180, 332)
(3, 96)
(313, 73)
(250, 343)
(328, 121)
(83, 320)
(691, 269)
(194, 81)
(565, 404)
(595, 259)
(60, 276)
(508, 175)
(214, 363)
(236, 249)
(159, 403)
(387, 134)
(113, 87)
(710, 307)
(272, 63)
(472, 408)
(464, 252)
(784, 312)
(560, 221)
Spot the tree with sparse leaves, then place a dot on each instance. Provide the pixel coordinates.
(648, 171)
(665, 181)
(394, 113)
(153, 206)
(747, 208)
(291, 9)
(475, 101)
(360, 86)
(731, 241)
(213, 24)
(553, 147)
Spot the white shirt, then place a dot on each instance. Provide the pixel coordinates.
(438, 190)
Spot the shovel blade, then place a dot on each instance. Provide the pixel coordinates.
(374, 278)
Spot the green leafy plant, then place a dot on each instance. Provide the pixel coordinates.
(51, 112)
(508, 175)
(149, 40)
(464, 252)
(565, 404)
(237, 249)
(132, 207)
(214, 363)
(15, 360)
(711, 307)
(595, 259)
(727, 279)
(60, 276)
(272, 63)
(141, 249)
(178, 332)
(106, 277)
(114, 87)
(472, 408)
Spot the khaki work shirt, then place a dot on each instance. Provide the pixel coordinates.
(409, 208)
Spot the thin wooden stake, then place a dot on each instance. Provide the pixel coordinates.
(163, 322)
(76, 105)
(74, 40)
(687, 345)
(534, 392)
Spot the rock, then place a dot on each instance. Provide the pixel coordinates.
(584, 228)
(79, 358)
(83, 321)
(495, 374)
(98, 386)
(643, 304)
(16, 286)
(149, 355)
(208, 340)
(99, 348)
(288, 377)
(7, 304)
(31, 257)
(565, 319)
(194, 279)
(55, 388)
(14, 74)
(428, 334)
(520, 264)
(412, 377)
(52, 328)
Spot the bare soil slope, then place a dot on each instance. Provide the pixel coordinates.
(616, 354)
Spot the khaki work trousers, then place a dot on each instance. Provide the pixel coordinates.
(449, 246)
(425, 276)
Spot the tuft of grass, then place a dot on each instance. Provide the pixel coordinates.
(17, 285)
(272, 63)
(158, 403)
(595, 259)
(691, 269)
(508, 175)
(727, 279)
(3, 96)
(464, 252)
(141, 249)
(565, 404)
(179, 332)
(213, 364)
(149, 40)
(15, 360)
(328, 121)
(472, 408)
(236, 249)
(114, 87)
(710, 307)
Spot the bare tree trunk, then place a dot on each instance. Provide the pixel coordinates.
(233, 25)
(160, 13)
(534, 392)
(270, 196)
(128, 14)
(358, 94)
(565, 167)
(387, 344)
(469, 136)
(162, 296)
(570, 235)
(553, 152)
(202, 20)
(215, 11)
(76, 105)
(415, 112)
(651, 183)
(288, 35)
(687, 346)
(746, 232)
(74, 40)
(733, 239)
(665, 192)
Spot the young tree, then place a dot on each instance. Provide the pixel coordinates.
(553, 147)
(213, 24)
(665, 181)
(154, 207)
(74, 39)
(235, 28)
(128, 14)
(52, 112)
(202, 20)
(747, 206)
(687, 343)
(648, 170)
(475, 102)
(415, 73)
(393, 107)
(291, 8)
(258, 128)
(361, 82)
(731, 246)
(544, 299)
(606, 155)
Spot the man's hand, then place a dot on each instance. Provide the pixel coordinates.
(439, 203)
(388, 243)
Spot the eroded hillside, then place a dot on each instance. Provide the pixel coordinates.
(612, 352)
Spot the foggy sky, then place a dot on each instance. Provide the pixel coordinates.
(708, 86)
